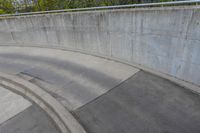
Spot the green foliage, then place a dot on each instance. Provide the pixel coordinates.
(50, 5)
(6, 6)
(12, 6)
(2, 11)
(117, 2)
(43, 5)
(165, 0)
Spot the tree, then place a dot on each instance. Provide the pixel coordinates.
(11, 6)
(51, 4)
(6, 6)
(2, 11)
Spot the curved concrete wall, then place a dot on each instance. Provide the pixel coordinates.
(164, 39)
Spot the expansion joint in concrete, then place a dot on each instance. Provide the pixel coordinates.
(60, 115)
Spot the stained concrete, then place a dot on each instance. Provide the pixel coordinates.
(104, 95)
(32, 120)
(11, 104)
(75, 78)
(144, 103)
(165, 39)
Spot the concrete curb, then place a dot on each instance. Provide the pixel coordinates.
(185, 84)
(61, 116)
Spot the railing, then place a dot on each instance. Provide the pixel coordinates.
(173, 3)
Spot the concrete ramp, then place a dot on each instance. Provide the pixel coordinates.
(73, 78)
(131, 70)
(99, 95)
(164, 39)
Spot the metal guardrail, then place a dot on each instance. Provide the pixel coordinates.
(174, 3)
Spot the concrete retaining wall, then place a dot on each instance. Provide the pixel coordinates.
(164, 39)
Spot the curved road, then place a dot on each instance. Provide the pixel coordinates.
(103, 95)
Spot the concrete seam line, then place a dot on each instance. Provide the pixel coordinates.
(20, 91)
(60, 115)
(185, 84)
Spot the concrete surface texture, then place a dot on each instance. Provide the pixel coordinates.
(18, 115)
(11, 104)
(144, 103)
(31, 120)
(165, 39)
(73, 79)
(100, 95)
(57, 112)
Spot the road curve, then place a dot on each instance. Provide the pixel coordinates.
(83, 93)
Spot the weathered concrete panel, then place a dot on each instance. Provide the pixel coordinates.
(165, 39)
(121, 45)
